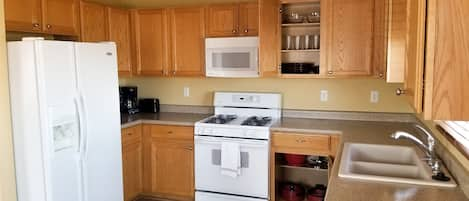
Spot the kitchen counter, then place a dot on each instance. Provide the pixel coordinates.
(342, 189)
(166, 118)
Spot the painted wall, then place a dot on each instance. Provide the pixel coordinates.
(7, 174)
(344, 94)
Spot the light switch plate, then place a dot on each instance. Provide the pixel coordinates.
(374, 96)
(187, 92)
(324, 96)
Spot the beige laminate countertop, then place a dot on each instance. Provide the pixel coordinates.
(165, 118)
(341, 189)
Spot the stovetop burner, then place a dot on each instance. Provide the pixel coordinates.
(221, 119)
(256, 121)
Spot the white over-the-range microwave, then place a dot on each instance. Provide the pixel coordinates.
(232, 57)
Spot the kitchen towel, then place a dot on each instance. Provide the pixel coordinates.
(230, 159)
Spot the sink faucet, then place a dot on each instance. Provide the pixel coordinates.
(428, 147)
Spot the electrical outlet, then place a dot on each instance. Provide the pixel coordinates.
(324, 95)
(187, 92)
(374, 96)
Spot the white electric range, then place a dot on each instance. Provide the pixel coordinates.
(232, 147)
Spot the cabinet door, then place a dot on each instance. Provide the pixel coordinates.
(380, 42)
(397, 29)
(415, 53)
(93, 22)
(119, 32)
(249, 19)
(222, 20)
(188, 39)
(447, 61)
(132, 162)
(172, 165)
(151, 41)
(23, 15)
(60, 17)
(269, 38)
(350, 36)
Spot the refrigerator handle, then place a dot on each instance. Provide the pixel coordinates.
(80, 123)
(82, 126)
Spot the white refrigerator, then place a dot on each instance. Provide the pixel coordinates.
(66, 120)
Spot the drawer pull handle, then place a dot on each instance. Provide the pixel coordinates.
(189, 148)
(129, 134)
(170, 132)
(300, 140)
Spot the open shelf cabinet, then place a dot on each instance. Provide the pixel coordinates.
(300, 30)
(306, 175)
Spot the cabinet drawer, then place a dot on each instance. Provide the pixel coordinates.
(131, 135)
(319, 143)
(172, 132)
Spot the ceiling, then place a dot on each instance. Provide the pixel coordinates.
(161, 3)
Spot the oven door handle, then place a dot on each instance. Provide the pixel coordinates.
(219, 140)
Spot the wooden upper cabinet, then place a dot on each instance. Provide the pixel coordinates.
(269, 38)
(414, 54)
(151, 41)
(232, 20)
(60, 17)
(248, 19)
(93, 22)
(447, 61)
(23, 15)
(397, 34)
(188, 35)
(120, 32)
(350, 36)
(222, 20)
(380, 40)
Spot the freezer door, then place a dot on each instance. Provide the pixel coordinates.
(59, 119)
(96, 65)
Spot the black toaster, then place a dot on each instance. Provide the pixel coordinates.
(150, 105)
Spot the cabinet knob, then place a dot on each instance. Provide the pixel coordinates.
(234, 31)
(246, 31)
(400, 91)
(170, 132)
(36, 25)
(330, 72)
(189, 148)
(381, 75)
(48, 26)
(129, 134)
(174, 72)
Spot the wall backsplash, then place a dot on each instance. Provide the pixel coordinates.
(303, 94)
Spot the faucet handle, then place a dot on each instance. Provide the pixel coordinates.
(430, 138)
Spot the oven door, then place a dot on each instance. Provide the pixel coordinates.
(253, 180)
(232, 62)
(204, 196)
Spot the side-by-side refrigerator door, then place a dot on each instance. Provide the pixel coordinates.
(96, 65)
(60, 121)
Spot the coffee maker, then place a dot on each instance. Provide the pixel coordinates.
(128, 99)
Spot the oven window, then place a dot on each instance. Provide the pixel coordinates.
(235, 60)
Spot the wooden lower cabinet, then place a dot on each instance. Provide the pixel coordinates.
(169, 162)
(132, 162)
(302, 144)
